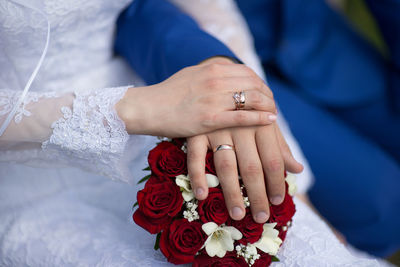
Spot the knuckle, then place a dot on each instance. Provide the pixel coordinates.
(258, 83)
(257, 98)
(249, 71)
(286, 148)
(210, 101)
(194, 155)
(262, 118)
(225, 165)
(208, 119)
(213, 83)
(274, 165)
(253, 170)
(241, 118)
(213, 69)
(271, 93)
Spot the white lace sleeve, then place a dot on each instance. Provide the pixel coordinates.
(77, 129)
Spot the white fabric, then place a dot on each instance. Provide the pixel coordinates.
(68, 217)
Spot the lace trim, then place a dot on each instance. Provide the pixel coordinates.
(91, 133)
(9, 98)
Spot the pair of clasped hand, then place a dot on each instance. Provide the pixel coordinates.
(198, 102)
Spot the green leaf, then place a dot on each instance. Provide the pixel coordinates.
(134, 205)
(157, 244)
(144, 179)
(147, 169)
(274, 259)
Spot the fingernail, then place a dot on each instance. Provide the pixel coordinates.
(261, 217)
(237, 212)
(276, 200)
(199, 192)
(272, 117)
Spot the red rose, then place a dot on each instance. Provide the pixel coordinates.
(158, 204)
(167, 160)
(157, 180)
(181, 241)
(251, 230)
(213, 208)
(230, 260)
(283, 213)
(264, 261)
(210, 168)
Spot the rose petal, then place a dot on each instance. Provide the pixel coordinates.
(209, 227)
(235, 233)
(291, 181)
(187, 196)
(269, 241)
(183, 181)
(212, 180)
(226, 242)
(214, 247)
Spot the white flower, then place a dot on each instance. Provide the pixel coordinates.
(212, 180)
(190, 213)
(183, 182)
(249, 253)
(269, 241)
(220, 238)
(292, 186)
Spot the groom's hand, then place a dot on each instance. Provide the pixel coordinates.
(262, 155)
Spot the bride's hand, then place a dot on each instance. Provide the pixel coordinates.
(197, 100)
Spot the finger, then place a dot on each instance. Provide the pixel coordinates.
(227, 70)
(218, 60)
(235, 71)
(226, 167)
(196, 154)
(272, 161)
(291, 164)
(235, 84)
(252, 174)
(235, 118)
(253, 100)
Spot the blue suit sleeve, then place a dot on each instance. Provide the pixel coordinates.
(158, 39)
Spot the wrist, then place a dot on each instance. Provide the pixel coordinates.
(131, 110)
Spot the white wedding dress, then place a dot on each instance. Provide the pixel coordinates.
(57, 207)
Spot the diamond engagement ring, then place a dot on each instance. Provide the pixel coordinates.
(223, 147)
(240, 100)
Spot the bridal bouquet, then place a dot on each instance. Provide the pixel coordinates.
(201, 232)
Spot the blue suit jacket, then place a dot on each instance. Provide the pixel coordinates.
(312, 46)
(158, 40)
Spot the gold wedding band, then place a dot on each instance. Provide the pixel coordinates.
(240, 100)
(223, 147)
